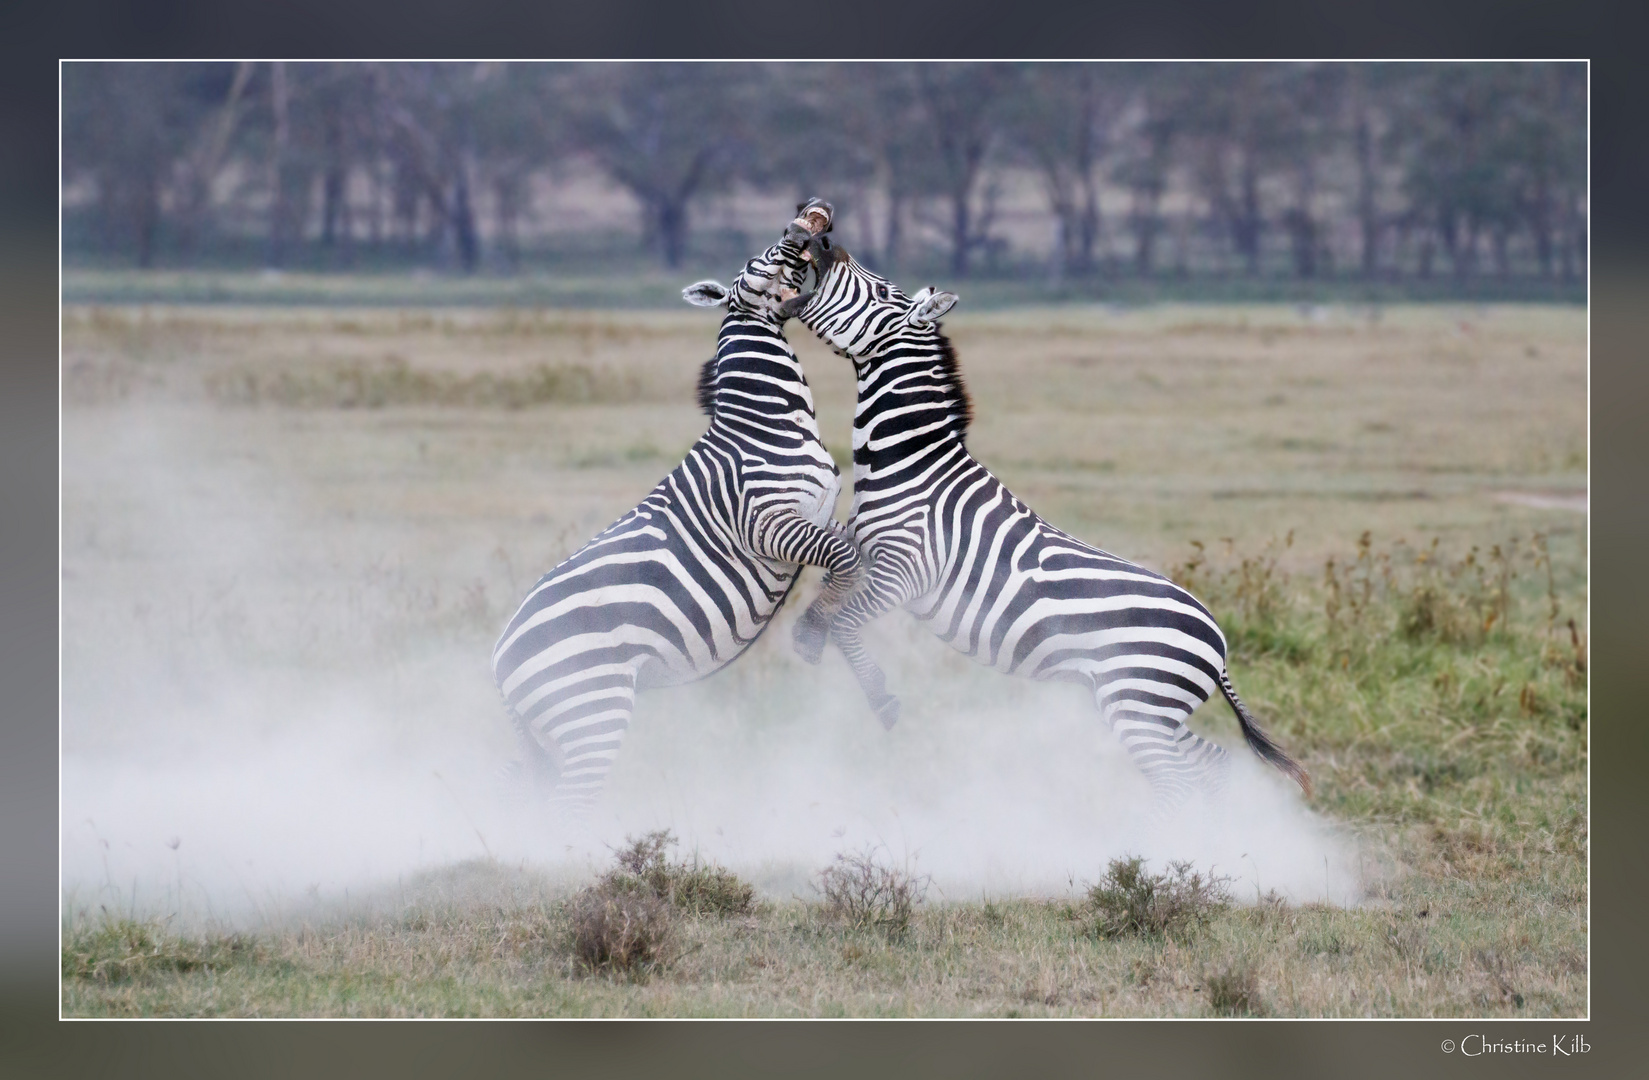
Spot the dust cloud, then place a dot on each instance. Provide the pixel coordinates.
(273, 698)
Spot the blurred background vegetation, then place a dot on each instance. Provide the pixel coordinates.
(1034, 182)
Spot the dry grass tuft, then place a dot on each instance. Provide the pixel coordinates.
(1128, 901)
(365, 384)
(118, 950)
(863, 892)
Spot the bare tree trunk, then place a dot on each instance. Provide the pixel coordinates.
(1367, 216)
(203, 169)
(507, 191)
(1087, 226)
(1064, 256)
(146, 217)
(278, 207)
(1579, 219)
(1302, 227)
(1248, 220)
(1448, 230)
(375, 223)
(1540, 220)
(1460, 240)
(961, 232)
(670, 214)
(334, 180)
(1145, 223)
(462, 215)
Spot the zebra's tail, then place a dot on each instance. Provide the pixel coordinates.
(1260, 742)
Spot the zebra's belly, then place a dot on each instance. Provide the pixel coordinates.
(658, 593)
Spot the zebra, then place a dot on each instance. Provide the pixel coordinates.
(946, 540)
(678, 587)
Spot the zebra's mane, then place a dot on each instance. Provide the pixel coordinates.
(961, 417)
(707, 386)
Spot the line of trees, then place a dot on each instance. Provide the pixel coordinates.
(1301, 169)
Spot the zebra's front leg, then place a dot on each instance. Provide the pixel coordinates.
(812, 630)
(784, 534)
(885, 587)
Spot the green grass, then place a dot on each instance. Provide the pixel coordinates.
(362, 513)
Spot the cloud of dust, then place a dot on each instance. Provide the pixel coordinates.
(267, 704)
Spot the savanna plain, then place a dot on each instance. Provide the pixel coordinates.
(290, 536)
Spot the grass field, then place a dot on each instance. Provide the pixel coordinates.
(291, 533)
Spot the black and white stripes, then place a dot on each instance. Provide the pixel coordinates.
(682, 584)
(946, 540)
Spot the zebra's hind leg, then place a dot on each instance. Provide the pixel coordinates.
(581, 727)
(1177, 762)
(530, 777)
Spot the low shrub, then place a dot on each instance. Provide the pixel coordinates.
(621, 932)
(865, 893)
(1234, 991)
(693, 888)
(1128, 901)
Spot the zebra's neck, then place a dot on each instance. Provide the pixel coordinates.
(912, 402)
(755, 376)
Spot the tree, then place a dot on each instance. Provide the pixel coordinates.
(431, 113)
(667, 132)
(1061, 118)
(959, 119)
(1307, 107)
(881, 123)
(1455, 172)
(128, 126)
(1158, 109)
(820, 134)
(1227, 117)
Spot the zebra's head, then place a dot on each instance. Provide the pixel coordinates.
(859, 313)
(772, 277)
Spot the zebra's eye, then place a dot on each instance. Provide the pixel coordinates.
(881, 292)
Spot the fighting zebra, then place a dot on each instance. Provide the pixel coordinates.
(947, 541)
(685, 582)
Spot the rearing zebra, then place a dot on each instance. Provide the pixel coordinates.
(946, 540)
(685, 582)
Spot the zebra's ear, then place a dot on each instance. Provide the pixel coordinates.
(929, 308)
(706, 294)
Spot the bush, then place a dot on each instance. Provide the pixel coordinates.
(629, 933)
(693, 888)
(1233, 991)
(864, 893)
(1130, 902)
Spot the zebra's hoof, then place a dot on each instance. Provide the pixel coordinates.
(809, 641)
(888, 713)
